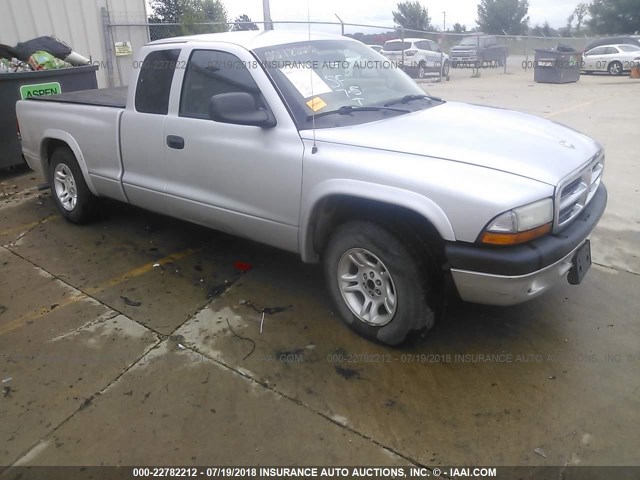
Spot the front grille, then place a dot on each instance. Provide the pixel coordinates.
(463, 53)
(576, 191)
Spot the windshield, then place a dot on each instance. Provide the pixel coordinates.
(396, 46)
(629, 48)
(324, 75)
(470, 41)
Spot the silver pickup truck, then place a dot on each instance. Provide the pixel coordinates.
(318, 145)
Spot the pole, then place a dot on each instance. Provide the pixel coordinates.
(341, 23)
(402, 43)
(266, 12)
(108, 51)
(442, 39)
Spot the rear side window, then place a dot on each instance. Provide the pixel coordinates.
(396, 46)
(210, 73)
(154, 81)
(597, 51)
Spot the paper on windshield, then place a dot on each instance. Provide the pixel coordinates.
(305, 80)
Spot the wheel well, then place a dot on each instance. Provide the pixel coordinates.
(336, 210)
(50, 145)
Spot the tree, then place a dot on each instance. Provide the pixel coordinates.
(614, 16)
(199, 12)
(188, 14)
(457, 28)
(412, 16)
(581, 11)
(499, 16)
(543, 31)
(243, 22)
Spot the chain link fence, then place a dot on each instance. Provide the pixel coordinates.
(521, 49)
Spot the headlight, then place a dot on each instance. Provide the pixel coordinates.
(520, 225)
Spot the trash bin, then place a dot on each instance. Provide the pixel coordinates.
(557, 66)
(635, 68)
(16, 86)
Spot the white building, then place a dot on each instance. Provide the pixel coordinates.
(84, 26)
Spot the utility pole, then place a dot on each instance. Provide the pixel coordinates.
(266, 12)
(341, 23)
(444, 23)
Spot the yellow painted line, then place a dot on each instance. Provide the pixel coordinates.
(36, 314)
(580, 105)
(27, 227)
(136, 272)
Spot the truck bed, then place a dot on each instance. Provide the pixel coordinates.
(103, 97)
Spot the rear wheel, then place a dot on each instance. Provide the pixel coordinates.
(382, 285)
(70, 192)
(615, 68)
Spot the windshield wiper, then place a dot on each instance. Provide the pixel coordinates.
(348, 109)
(409, 98)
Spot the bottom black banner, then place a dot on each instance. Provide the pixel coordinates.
(321, 473)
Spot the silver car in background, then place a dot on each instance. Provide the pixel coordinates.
(421, 56)
(613, 59)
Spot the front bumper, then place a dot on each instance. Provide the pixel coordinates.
(512, 275)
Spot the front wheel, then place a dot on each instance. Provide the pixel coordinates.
(70, 192)
(422, 70)
(615, 68)
(445, 68)
(380, 283)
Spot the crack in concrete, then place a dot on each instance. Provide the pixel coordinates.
(609, 267)
(26, 232)
(115, 312)
(306, 406)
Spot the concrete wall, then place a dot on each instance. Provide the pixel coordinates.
(79, 24)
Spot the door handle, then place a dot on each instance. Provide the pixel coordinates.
(174, 141)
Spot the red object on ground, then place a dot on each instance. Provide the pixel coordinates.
(242, 266)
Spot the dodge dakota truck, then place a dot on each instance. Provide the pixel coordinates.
(320, 146)
(478, 51)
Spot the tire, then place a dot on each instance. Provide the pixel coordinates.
(615, 68)
(403, 283)
(445, 68)
(73, 198)
(422, 70)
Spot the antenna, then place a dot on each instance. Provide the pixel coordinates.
(314, 149)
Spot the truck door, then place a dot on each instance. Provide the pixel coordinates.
(142, 131)
(242, 179)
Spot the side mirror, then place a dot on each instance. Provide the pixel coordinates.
(239, 108)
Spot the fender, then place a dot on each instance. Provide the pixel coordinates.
(368, 191)
(53, 134)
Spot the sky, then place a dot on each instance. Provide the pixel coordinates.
(378, 12)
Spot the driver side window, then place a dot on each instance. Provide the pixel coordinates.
(210, 73)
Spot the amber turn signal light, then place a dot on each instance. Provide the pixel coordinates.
(492, 238)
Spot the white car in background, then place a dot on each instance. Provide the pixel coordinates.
(377, 48)
(614, 59)
(421, 56)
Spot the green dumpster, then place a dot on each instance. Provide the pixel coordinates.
(16, 86)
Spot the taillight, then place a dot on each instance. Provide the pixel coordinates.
(410, 53)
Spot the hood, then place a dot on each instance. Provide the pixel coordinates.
(489, 137)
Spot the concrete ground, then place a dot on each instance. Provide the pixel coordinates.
(136, 340)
